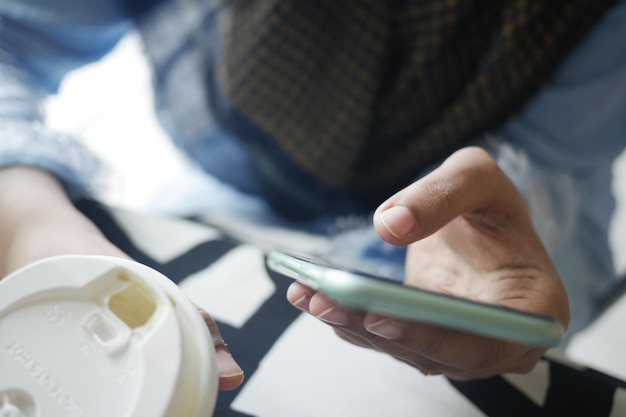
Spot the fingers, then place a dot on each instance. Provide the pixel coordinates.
(309, 301)
(432, 350)
(230, 374)
(459, 354)
(299, 295)
(468, 181)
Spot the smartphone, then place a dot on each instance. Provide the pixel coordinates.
(365, 292)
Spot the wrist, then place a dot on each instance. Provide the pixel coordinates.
(38, 220)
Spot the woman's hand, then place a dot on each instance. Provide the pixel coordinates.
(470, 235)
(38, 221)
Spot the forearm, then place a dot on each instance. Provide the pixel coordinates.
(38, 220)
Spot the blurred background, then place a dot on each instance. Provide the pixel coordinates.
(109, 105)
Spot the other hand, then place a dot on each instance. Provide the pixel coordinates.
(37, 221)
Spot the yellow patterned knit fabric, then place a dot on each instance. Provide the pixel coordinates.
(363, 94)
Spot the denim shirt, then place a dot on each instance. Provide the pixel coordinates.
(559, 150)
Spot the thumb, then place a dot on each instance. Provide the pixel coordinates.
(230, 374)
(468, 183)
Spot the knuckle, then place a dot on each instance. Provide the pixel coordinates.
(431, 343)
(486, 359)
(440, 194)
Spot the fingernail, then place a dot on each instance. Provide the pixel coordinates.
(398, 221)
(302, 303)
(386, 329)
(334, 316)
(228, 367)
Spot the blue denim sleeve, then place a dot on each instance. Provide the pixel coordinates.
(560, 152)
(40, 42)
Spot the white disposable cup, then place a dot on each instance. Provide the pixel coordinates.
(90, 336)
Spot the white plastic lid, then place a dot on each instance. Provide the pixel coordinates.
(88, 336)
